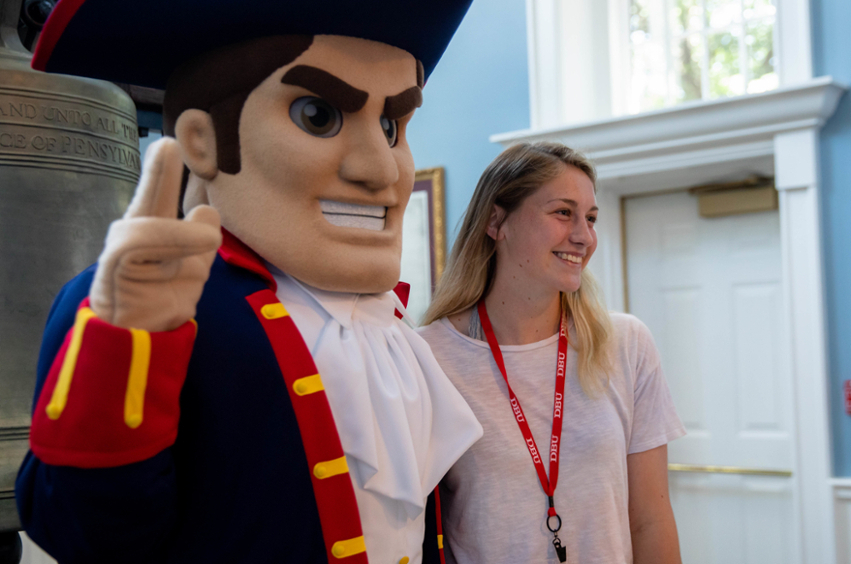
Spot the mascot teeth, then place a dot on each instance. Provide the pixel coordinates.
(342, 214)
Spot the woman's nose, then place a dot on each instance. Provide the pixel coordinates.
(581, 233)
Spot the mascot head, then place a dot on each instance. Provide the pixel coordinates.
(291, 116)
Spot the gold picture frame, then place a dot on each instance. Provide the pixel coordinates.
(424, 238)
(434, 179)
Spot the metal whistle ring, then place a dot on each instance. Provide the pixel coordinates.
(558, 525)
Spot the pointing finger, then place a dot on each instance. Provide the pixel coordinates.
(158, 192)
(158, 239)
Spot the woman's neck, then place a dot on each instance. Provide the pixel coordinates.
(519, 315)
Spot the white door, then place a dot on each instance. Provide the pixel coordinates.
(710, 291)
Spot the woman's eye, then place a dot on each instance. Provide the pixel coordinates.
(592, 219)
(390, 130)
(316, 116)
(565, 213)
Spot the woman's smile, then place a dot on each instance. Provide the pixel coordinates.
(572, 259)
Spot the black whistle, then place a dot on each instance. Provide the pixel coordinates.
(561, 551)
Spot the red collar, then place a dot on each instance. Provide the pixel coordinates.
(237, 253)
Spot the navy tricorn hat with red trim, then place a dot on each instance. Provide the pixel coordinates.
(142, 41)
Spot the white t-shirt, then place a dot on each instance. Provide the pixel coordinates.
(401, 422)
(494, 507)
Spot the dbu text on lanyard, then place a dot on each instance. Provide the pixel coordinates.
(549, 485)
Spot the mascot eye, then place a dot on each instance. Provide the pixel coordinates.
(316, 116)
(390, 131)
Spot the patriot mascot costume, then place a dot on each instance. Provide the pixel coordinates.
(233, 386)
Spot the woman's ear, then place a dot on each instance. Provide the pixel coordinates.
(495, 222)
(197, 139)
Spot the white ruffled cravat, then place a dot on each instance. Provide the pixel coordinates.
(402, 424)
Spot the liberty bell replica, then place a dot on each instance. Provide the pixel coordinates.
(69, 162)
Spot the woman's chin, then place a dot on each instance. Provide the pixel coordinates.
(571, 288)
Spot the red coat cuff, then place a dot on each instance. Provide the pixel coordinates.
(112, 396)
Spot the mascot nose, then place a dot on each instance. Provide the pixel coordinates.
(370, 162)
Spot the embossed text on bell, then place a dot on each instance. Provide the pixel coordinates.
(69, 162)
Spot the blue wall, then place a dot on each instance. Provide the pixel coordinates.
(480, 87)
(831, 21)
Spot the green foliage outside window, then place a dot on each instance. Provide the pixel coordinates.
(683, 50)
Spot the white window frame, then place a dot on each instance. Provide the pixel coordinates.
(619, 29)
(578, 53)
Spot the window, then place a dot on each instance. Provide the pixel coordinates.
(682, 50)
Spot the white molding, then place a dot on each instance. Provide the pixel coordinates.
(800, 168)
(842, 515)
(655, 163)
(759, 116)
(570, 70)
(794, 43)
(531, 61)
(585, 84)
(619, 48)
(796, 176)
(544, 62)
(774, 133)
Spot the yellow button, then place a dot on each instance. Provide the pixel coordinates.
(274, 311)
(308, 385)
(342, 549)
(331, 468)
(404, 560)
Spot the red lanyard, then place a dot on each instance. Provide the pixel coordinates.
(549, 484)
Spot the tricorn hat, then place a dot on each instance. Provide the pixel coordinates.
(142, 41)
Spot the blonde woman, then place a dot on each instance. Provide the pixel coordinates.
(577, 415)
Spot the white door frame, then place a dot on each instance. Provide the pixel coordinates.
(774, 133)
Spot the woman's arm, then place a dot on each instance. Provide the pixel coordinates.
(651, 520)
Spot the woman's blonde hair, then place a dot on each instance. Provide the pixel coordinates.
(511, 178)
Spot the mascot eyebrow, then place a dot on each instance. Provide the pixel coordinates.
(404, 103)
(348, 98)
(341, 94)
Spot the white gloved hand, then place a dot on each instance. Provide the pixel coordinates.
(152, 270)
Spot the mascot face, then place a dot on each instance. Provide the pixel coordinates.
(326, 171)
